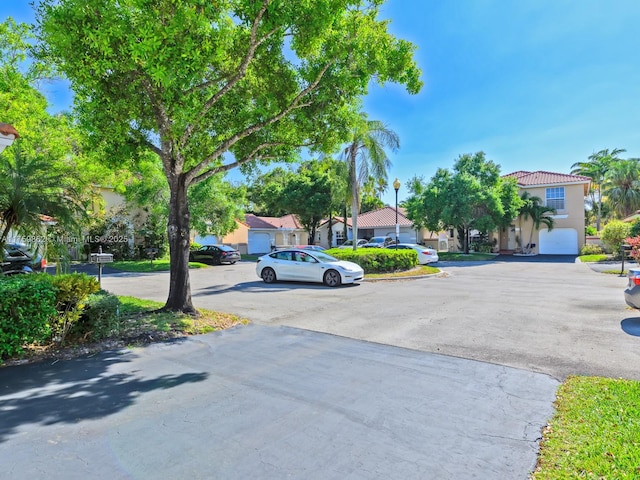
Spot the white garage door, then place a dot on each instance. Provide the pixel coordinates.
(559, 241)
(259, 243)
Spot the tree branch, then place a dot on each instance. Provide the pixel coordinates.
(254, 43)
(295, 104)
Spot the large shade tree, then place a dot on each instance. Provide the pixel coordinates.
(471, 196)
(367, 160)
(209, 86)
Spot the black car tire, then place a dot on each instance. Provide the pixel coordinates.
(332, 278)
(268, 275)
(232, 262)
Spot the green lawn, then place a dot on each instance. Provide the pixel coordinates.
(595, 432)
(159, 265)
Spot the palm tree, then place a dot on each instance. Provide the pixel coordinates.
(540, 214)
(622, 186)
(366, 158)
(596, 168)
(29, 188)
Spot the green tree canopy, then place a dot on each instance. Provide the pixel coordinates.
(210, 86)
(596, 169)
(472, 196)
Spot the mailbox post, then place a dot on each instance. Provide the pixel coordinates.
(100, 259)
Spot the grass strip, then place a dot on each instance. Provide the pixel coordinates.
(595, 432)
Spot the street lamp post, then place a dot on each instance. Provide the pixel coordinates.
(396, 187)
(7, 135)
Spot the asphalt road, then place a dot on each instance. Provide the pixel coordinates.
(544, 314)
(298, 393)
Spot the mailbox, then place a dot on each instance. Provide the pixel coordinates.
(101, 258)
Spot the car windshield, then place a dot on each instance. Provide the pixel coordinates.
(323, 257)
(226, 248)
(376, 240)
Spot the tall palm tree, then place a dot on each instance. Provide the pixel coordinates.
(622, 186)
(596, 169)
(366, 158)
(29, 188)
(538, 212)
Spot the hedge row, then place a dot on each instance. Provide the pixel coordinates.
(41, 308)
(378, 260)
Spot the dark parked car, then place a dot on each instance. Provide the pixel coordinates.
(379, 242)
(17, 259)
(215, 254)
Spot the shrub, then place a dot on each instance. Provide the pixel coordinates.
(590, 249)
(100, 317)
(635, 228)
(71, 291)
(590, 231)
(26, 312)
(378, 260)
(614, 234)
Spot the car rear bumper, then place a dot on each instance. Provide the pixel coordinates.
(632, 296)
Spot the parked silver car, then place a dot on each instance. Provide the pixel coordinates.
(307, 266)
(632, 292)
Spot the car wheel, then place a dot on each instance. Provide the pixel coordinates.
(232, 262)
(268, 275)
(332, 278)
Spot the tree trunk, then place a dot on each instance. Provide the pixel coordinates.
(178, 232)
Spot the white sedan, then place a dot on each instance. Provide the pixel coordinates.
(425, 254)
(307, 266)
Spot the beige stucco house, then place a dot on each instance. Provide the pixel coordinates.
(561, 191)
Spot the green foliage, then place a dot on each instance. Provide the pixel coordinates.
(590, 249)
(211, 86)
(100, 317)
(635, 228)
(377, 260)
(614, 234)
(26, 311)
(591, 231)
(72, 291)
(471, 196)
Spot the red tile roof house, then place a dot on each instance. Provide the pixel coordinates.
(265, 232)
(565, 193)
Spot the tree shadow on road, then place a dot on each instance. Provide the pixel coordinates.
(70, 391)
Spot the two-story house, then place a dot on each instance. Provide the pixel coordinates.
(563, 192)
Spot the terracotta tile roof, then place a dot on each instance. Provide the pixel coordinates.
(540, 177)
(288, 221)
(337, 220)
(383, 217)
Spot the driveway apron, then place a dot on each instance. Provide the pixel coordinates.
(271, 402)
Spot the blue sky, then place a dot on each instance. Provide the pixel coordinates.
(535, 84)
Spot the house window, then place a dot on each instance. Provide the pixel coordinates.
(555, 198)
(339, 237)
